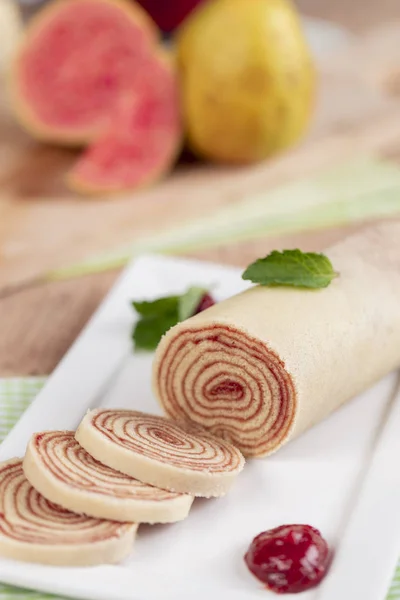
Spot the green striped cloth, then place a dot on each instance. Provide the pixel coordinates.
(15, 396)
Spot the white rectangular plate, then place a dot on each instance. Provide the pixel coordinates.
(323, 478)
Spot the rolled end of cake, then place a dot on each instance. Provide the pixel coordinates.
(32, 529)
(227, 381)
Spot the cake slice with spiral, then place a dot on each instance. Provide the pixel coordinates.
(60, 469)
(160, 452)
(32, 529)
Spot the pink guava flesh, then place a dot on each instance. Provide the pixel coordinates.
(142, 138)
(77, 62)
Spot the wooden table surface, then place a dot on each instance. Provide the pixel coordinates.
(38, 323)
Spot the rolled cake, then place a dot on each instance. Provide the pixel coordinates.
(32, 529)
(63, 472)
(263, 366)
(159, 452)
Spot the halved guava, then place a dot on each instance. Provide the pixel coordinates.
(77, 59)
(143, 136)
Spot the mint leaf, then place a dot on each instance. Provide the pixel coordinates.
(149, 330)
(157, 316)
(153, 308)
(291, 268)
(189, 302)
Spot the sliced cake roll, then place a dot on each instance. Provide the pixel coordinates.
(62, 471)
(32, 529)
(160, 452)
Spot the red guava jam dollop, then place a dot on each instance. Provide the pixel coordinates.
(289, 559)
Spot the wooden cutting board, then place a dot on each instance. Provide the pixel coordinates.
(43, 226)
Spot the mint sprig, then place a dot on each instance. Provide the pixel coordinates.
(154, 308)
(189, 302)
(292, 268)
(158, 316)
(148, 331)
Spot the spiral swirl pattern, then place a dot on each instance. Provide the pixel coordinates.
(64, 473)
(228, 382)
(162, 440)
(27, 517)
(68, 462)
(160, 452)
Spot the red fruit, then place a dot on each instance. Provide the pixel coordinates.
(289, 559)
(168, 14)
(142, 138)
(77, 59)
(205, 303)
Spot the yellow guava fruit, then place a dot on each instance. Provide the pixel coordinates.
(248, 79)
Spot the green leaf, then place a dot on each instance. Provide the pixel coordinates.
(189, 302)
(148, 331)
(157, 316)
(292, 268)
(165, 305)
